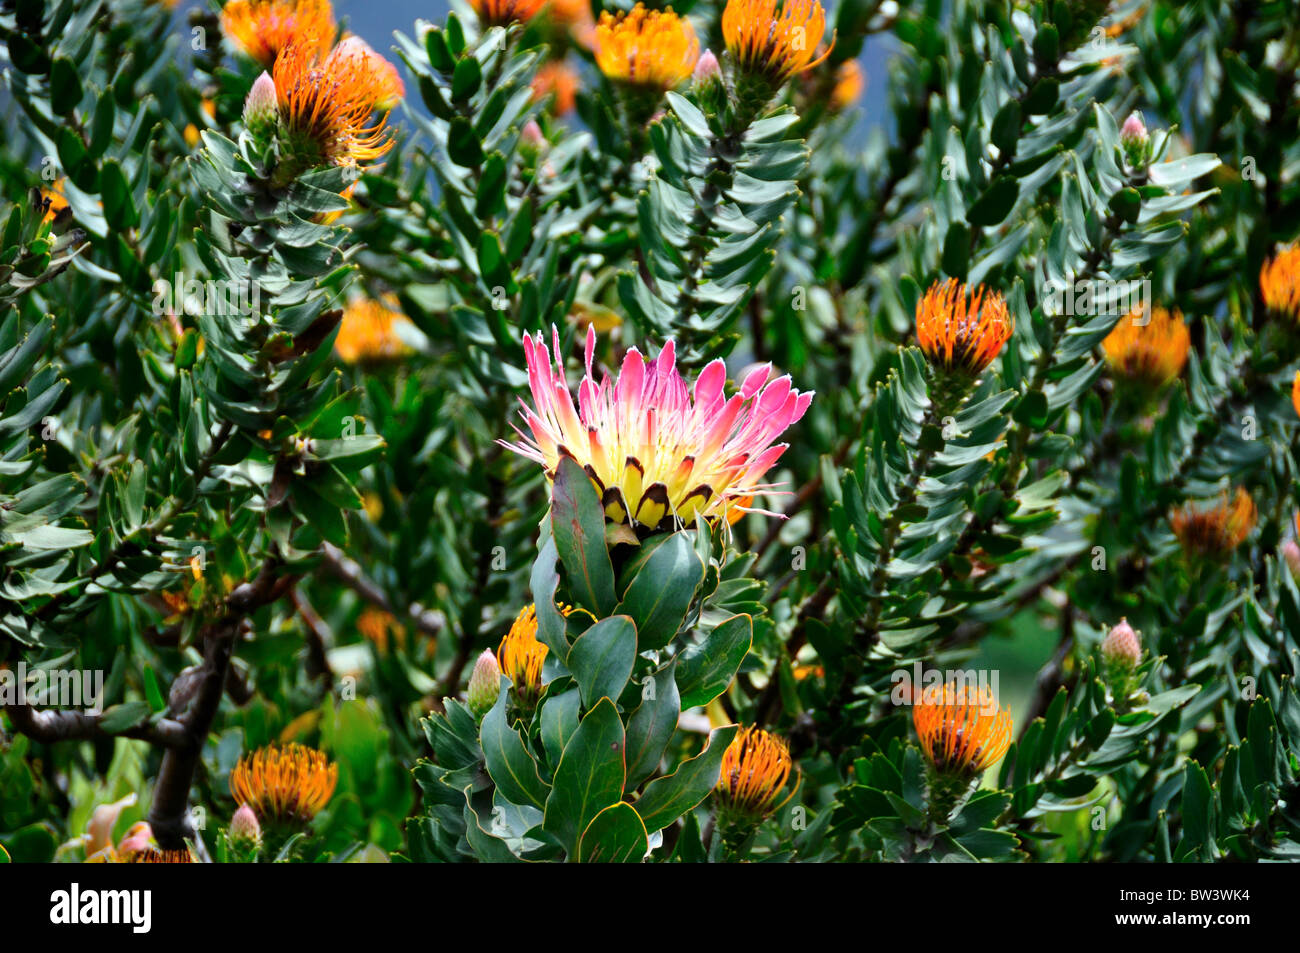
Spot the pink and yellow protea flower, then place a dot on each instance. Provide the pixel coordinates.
(659, 453)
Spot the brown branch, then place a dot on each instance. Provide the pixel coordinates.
(169, 814)
(349, 572)
(51, 726)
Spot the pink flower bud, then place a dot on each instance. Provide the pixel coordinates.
(1122, 646)
(261, 108)
(245, 831)
(484, 684)
(531, 134)
(1134, 130)
(706, 68)
(1291, 554)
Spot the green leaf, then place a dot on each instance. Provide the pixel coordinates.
(65, 86)
(509, 764)
(1006, 127)
(119, 206)
(152, 691)
(652, 725)
(705, 669)
(662, 590)
(462, 143)
(491, 194)
(124, 717)
(601, 659)
(589, 777)
(578, 525)
(559, 722)
(995, 204)
(543, 582)
(615, 836)
(668, 798)
(466, 78)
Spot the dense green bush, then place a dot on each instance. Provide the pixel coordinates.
(400, 455)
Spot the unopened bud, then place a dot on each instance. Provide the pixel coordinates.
(245, 831)
(260, 108)
(706, 67)
(1122, 647)
(484, 684)
(1291, 554)
(531, 134)
(707, 82)
(1135, 141)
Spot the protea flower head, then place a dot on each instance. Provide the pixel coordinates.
(326, 108)
(370, 332)
(755, 768)
(658, 452)
(245, 831)
(262, 28)
(386, 82)
(505, 12)
(557, 78)
(961, 729)
(484, 684)
(284, 784)
(153, 855)
(773, 40)
(53, 201)
(381, 628)
(849, 83)
(521, 654)
(960, 332)
(653, 50)
(1295, 393)
(1121, 647)
(1279, 284)
(1215, 529)
(1152, 353)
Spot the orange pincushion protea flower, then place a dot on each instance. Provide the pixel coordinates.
(755, 767)
(376, 625)
(284, 784)
(1279, 283)
(1295, 393)
(262, 28)
(386, 83)
(1215, 529)
(53, 201)
(961, 729)
(849, 84)
(649, 49)
(521, 655)
(960, 332)
(369, 332)
(557, 77)
(152, 855)
(326, 105)
(1153, 353)
(505, 12)
(774, 44)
